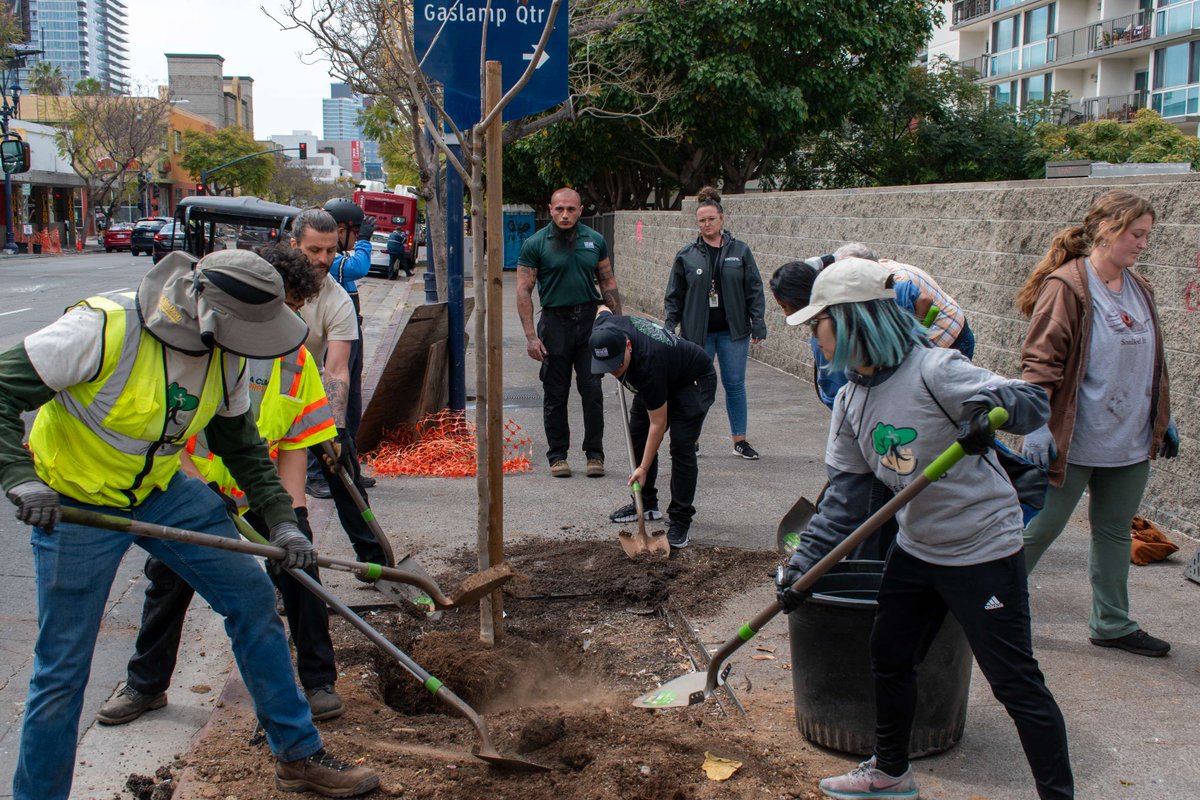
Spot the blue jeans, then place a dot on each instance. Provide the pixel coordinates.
(75, 566)
(732, 356)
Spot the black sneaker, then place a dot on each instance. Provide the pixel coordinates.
(628, 513)
(365, 482)
(677, 535)
(1139, 643)
(317, 489)
(744, 450)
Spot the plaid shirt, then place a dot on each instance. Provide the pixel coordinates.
(950, 319)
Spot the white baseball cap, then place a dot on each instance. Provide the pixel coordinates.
(851, 280)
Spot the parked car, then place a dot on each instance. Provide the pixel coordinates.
(143, 234)
(117, 236)
(380, 260)
(168, 238)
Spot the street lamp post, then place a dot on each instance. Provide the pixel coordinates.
(10, 89)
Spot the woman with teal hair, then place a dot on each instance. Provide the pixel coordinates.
(959, 545)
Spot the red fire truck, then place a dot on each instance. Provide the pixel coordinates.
(391, 212)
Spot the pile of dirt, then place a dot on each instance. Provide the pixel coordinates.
(584, 634)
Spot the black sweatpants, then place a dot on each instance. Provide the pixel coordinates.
(564, 333)
(168, 596)
(686, 409)
(991, 603)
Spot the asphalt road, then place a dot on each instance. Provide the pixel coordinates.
(33, 292)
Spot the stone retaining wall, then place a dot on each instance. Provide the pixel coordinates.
(979, 241)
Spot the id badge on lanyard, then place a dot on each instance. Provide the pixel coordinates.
(714, 301)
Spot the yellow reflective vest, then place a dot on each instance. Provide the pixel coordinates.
(104, 441)
(290, 406)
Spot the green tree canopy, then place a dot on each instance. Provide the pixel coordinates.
(205, 151)
(11, 31)
(46, 78)
(380, 123)
(741, 86)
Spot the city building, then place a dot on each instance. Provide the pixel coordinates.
(1112, 57)
(340, 124)
(322, 161)
(43, 196)
(85, 38)
(199, 79)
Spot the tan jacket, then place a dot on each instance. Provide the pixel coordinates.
(1056, 349)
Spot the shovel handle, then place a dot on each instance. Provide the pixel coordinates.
(936, 469)
(359, 502)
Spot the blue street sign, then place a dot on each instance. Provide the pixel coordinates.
(448, 35)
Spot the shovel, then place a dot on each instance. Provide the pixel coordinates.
(695, 687)
(640, 543)
(403, 592)
(479, 585)
(485, 750)
(787, 536)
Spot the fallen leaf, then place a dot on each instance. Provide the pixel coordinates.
(762, 658)
(762, 648)
(720, 769)
(201, 688)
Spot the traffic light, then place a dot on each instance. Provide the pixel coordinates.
(141, 181)
(201, 189)
(304, 151)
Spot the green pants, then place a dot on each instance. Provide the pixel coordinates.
(1114, 497)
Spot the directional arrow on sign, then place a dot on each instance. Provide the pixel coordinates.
(541, 60)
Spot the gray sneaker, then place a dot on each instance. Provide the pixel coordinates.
(127, 705)
(324, 703)
(677, 535)
(864, 782)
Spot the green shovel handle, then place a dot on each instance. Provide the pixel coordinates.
(954, 453)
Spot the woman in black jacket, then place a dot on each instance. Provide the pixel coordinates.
(715, 296)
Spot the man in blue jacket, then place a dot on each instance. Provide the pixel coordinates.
(353, 225)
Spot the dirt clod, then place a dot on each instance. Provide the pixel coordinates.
(538, 733)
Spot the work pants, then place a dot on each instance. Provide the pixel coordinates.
(166, 604)
(686, 410)
(75, 566)
(564, 333)
(991, 603)
(1116, 493)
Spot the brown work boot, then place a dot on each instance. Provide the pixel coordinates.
(127, 705)
(325, 775)
(560, 469)
(324, 703)
(595, 467)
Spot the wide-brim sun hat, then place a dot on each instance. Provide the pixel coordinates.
(231, 299)
(851, 280)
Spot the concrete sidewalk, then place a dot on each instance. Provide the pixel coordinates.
(1133, 722)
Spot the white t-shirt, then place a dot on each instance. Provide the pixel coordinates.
(67, 352)
(330, 318)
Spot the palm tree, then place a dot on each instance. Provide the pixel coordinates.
(46, 78)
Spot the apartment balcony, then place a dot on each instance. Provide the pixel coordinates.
(969, 12)
(1097, 37)
(975, 68)
(1118, 107)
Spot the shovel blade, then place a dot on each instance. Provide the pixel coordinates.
(633, 545)
(657, 544)
(787, 537)
(686, 690)
(500, 761)
(478, 586)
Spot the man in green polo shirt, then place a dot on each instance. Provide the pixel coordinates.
(569, 264)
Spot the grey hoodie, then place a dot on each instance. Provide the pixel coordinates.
(890, 425)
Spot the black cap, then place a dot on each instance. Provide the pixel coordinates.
(608, 349)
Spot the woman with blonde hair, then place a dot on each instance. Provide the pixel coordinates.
(1095, 345)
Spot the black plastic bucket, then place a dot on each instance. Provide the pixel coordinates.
(831, 668)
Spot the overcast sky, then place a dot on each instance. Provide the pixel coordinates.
(287, 91)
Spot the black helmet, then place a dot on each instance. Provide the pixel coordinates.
(344, 210)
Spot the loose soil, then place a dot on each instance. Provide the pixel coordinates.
(585, 633)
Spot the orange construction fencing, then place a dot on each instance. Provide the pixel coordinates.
(443, 445)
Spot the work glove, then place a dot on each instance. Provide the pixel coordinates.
(1170, 443)
(366, 228)
(789, 598)
(37, 504)
(343, 453)
(300, 551)
(974, 429)
(231, 506)
(1038, 447)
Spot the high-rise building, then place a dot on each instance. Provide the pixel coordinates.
(1110, 58)
(339, 114)
(85, 38)
(225, 100)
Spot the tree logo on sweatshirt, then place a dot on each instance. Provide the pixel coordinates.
(891, 444)
(656, 332)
